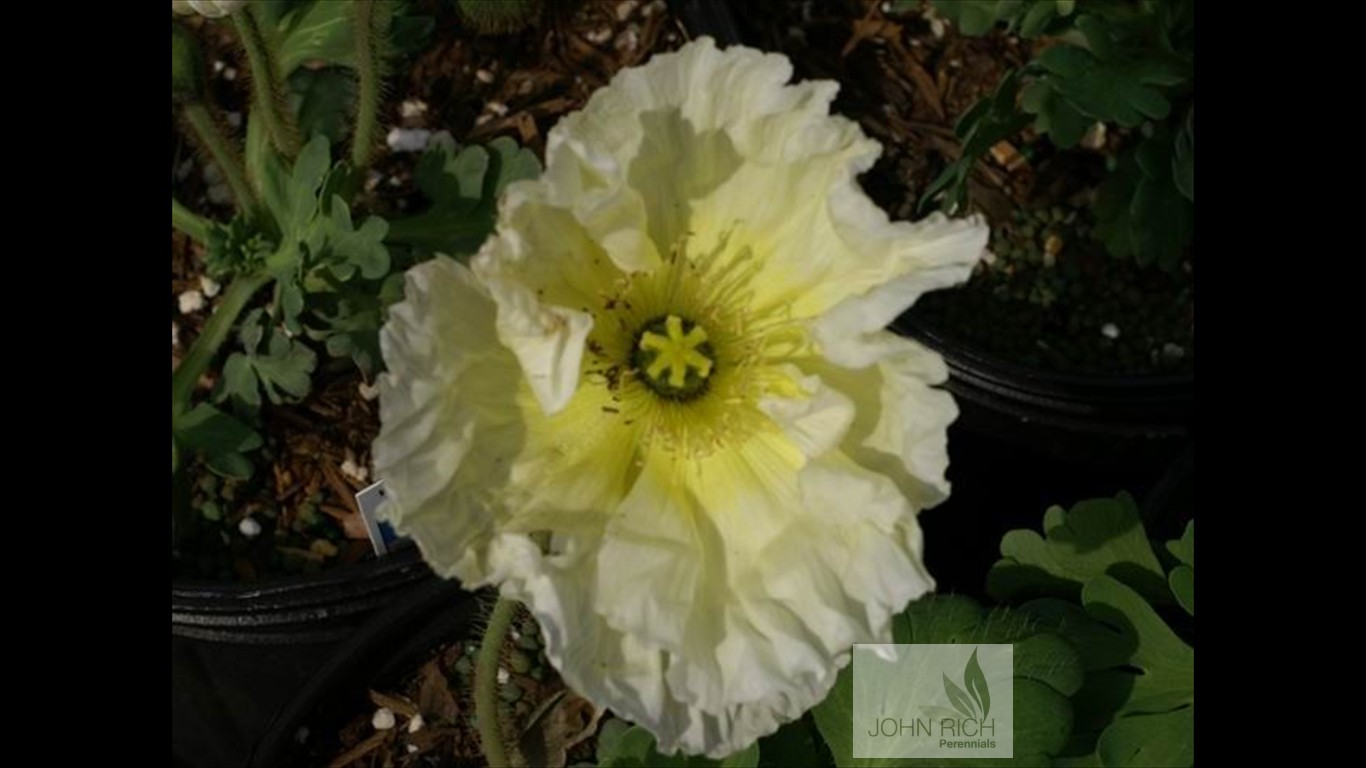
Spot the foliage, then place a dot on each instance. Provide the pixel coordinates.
(1126, 64)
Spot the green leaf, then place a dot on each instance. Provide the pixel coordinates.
(1182, 577)
(1122, 78)
(1166, 664)
(1183, 161)
(324, 100)
(283, 370)
(1043, 713)
(354, 249)
(317, 31)
(219, 438)
(1054, 115)
(976, 683)
(987, 122)
(634, 747)
(1096, 537)
(464, 187)
(1166, 738)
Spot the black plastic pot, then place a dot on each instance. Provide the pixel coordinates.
(238, 651)
(377, 656)
(1086, 420)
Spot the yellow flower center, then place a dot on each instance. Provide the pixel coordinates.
(682, 359)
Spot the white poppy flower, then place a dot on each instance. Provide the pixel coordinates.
(661, 408)
(213, 9)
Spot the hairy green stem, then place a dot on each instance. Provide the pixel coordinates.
(367, 69)
(486, 685)
(215, 332)
(266, 86)
(193, 225)
(223, 153)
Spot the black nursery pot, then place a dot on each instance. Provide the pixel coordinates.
(1089, 421)
(391, 644)
(238, 651)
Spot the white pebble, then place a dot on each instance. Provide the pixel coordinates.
(625, 8)
(229, 74)
(483, 76)
(249, 527)
(988, 258)
(415, 724)
(497, 107)
(412, 107)
(218, 66)
(372, 180)
(937, 28)
(599, 36)
(175, 334)
(354, 471)
(209, 286)
(368, 392)
(383, 719)
(484, 118)
(503, 676)
(1174, 351)
(1110, 331)
(629, 40)
(412, 748)
(190, 301)
(408, 139)
(234, 119)
(653, 8)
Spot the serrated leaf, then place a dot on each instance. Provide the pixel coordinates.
(1166, 662)
(283, 370)
(353, 250)
(1122, 78)
(1098, 536)
(1053, 114)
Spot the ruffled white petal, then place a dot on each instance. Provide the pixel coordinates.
(450, 387)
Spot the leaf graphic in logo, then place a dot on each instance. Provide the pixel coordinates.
(976, 683)
(959, 699)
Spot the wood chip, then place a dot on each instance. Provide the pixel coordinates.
(362, 749)
(398, 704)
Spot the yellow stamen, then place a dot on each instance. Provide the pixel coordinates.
(676, 352)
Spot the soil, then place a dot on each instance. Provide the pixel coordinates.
(425, 717)
(1050, 296)
(300, 499)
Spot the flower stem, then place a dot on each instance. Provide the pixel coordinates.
(486, 685)
(193, 225)
(367, 69)
(223, 153)
(266, 86)
(215, 332)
